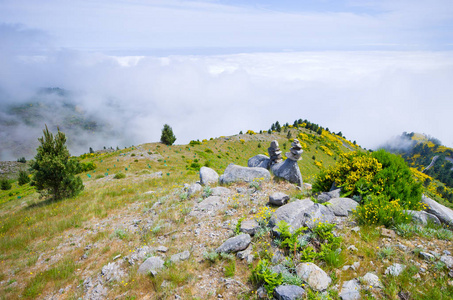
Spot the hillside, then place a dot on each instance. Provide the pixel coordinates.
(93, 246)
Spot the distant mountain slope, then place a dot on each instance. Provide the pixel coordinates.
(21, 124)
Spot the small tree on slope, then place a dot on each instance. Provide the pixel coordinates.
(167, 137)
(54, 172)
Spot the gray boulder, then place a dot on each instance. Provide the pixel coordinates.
(292, 213)
(208, 176)
(288, 170)
(447, 260)
(372, 280)
(278, 199)
(288, 292)
(326, 196)
(220, 191)
(444, 214)
(235, 173)
(235, 244)
(422, 217)
(249, 227)
(259, 160)
(350, 290)
(342, 207)
(193, 189)
(151, 265)
(180, 256)
(210, 204)
(316, 214)
(316, 278)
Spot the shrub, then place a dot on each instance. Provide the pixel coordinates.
(119, 175)
(380, 210)
(193, 143)
(23, 178)
(54, 171)
(262, 274)
(22, 160)
(85, 167)
(167, 137)
(378, 173)
(5, 184)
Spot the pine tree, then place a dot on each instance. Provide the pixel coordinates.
(167, 137)
(23, 178)
(54, 171)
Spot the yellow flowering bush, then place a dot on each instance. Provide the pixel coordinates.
(378, 173)
(378, 210)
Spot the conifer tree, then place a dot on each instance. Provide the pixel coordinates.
(54, 171)
(167, 137)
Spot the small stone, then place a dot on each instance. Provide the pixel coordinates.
(447, 260)
(151, 265)
(162, 249)
(249, 227)
(388, 233)
(355, 229)
(278, 199)
(235, 244)
(372, 280)
(180, 256)
(426, 256)
(288, 292)
(316, 278)
(350, 290)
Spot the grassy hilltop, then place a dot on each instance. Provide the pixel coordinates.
(50, 249)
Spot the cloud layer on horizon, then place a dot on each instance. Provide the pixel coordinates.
(369, 96)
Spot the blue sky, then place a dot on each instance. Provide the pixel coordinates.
(371, 69)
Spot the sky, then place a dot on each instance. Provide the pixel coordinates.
(371, 69)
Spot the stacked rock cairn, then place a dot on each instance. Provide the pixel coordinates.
(295, 152)
(274, 153)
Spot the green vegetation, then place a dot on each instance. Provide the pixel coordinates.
(167, 137)
(53, 171)
(372, 174)
(23, 178)
(119, 175)
(5, 184)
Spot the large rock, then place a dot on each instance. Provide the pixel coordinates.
(235, 173)
(235, 244)
(180, 256)
(316, 278)
(259, 160)
(292, 213)
(288, 292)
(444, 214)
(372, 280)
(249, 227)
(447, 260)
(151, 265)
(193, 189)
(220, 191)
(288, 170)
(326, 196)
(422, 217)
(342, 207)
(316, 214)
(350, 290)
(278, 198)
(208, 205)
(208, 176)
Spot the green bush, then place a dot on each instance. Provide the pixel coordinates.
(23, 178)
(167, 137)
(378, 173)
(380, 210)
(262, 274)
(85, 167)
(119, 175)
(5, 184)
(54, 170)
(22, 160)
